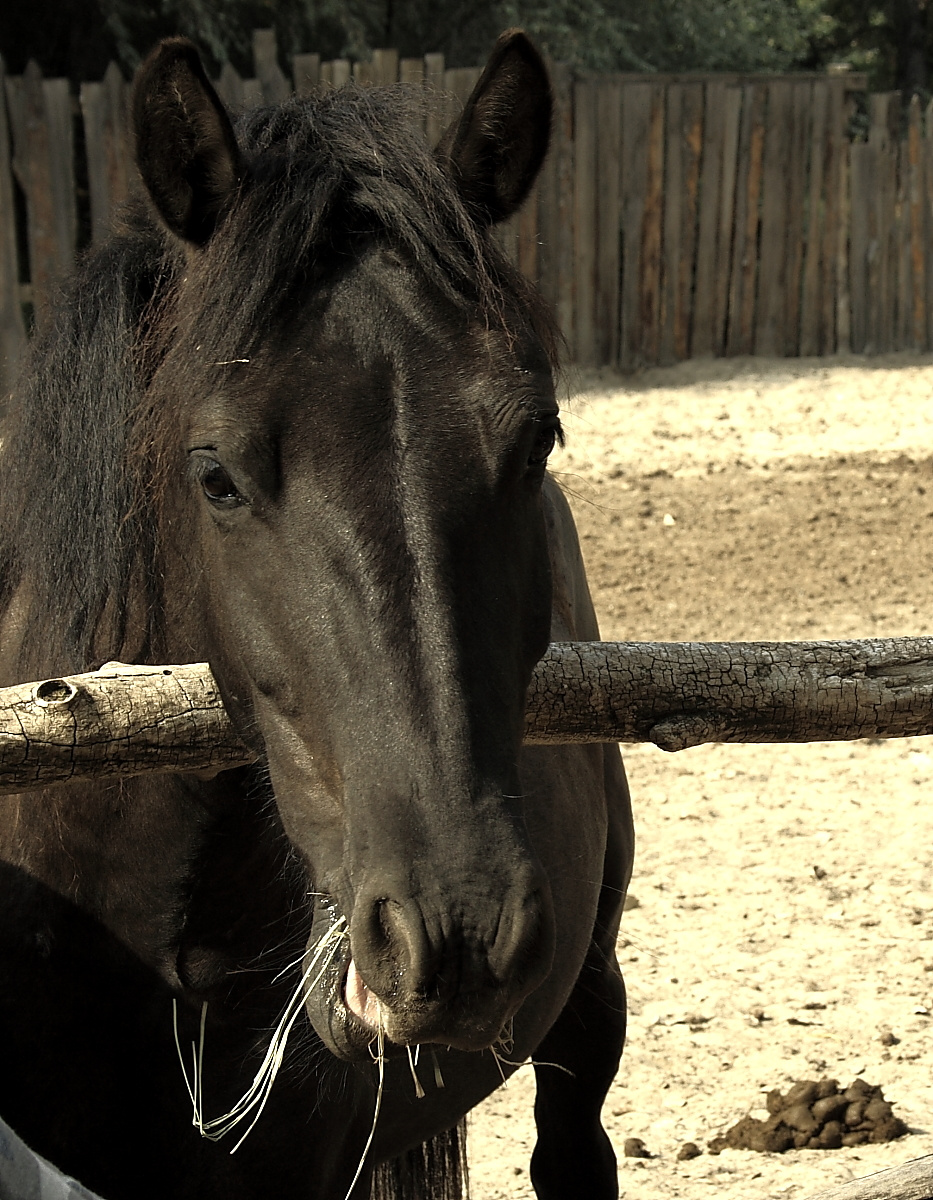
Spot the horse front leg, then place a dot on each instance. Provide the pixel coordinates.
(573, 1158)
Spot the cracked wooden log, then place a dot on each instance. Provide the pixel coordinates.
(680, 694)
(912, 1181)
(126, 720)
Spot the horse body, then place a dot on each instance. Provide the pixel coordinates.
(298, 426)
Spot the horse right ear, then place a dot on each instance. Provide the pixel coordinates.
(186, 150)
(496, 148)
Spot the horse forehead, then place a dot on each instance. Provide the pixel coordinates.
(382, 309)
(382, 343)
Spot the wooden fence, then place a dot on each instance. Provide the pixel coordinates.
(676, 216)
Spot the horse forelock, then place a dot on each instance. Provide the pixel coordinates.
(324, 175)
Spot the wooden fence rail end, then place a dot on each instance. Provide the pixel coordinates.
(911, 1181)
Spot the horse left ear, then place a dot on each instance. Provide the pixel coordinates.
(496, 149)
(186, 150)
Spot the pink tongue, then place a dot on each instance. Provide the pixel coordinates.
(363, 1003)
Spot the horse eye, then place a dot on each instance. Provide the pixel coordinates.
(217, 484)
(543, 445)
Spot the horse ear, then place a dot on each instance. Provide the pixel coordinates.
(496, 149)
(185, 146)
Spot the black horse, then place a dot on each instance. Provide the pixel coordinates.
(294, 419)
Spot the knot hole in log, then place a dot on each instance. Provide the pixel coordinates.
(54, 691)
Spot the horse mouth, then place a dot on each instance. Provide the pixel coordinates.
(352, 1020)
(360, 1001)
(344, 1012)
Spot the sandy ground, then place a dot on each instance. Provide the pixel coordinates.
(784, 917)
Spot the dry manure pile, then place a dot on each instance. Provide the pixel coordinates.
(816, 1116)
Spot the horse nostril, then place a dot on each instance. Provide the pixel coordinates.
(523, 951)
(390, 947)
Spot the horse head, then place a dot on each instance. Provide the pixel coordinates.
(357, 409)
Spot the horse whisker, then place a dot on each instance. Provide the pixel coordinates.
(181, 1057)
(438, 1077)
(533, 1062)
(506, 1039)
(258, 1093)
(419, 1090)
(380, 1059)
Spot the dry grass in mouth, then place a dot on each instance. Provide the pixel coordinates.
(254, 1099)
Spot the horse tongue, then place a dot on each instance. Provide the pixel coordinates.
(363, 1003)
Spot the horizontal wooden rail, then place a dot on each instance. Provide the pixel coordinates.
(912, 1181)
(126, 720)
(680, 694)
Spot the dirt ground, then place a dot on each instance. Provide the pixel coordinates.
(784, 894)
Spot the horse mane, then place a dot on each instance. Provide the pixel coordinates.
(85, 453)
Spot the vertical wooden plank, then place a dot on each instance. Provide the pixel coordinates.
(691, 152)
(861, 161)
(673, 221)
(796, 171)
(904, 271)
(60, 117)
(306, 71)
(743, 287)
(327, 76)
(12, 326)
(904, 285)
(725, 240)
(43, 161)
(835, 285)
(584, 222)
(810, 300)
(385, 66)
(918, 227)
(608, 151)
(437, 116)
(107, 148)
(834, 276)
(341, 72)
(555, 211)
(882, 258)
(363, 73)
(652, 232)
(459, 82)
(704, 299)
(904, 267)
(230, 88)
(636, 122)
(252, 93)
(928, 217)
(273, 82)
(93, 118)
(411, 70)
(739, 247)
(772, 275)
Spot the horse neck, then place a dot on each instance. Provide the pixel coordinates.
(118, 851)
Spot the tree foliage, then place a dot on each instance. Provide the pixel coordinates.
(892, 39)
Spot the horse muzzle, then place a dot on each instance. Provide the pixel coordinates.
(390, 980)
